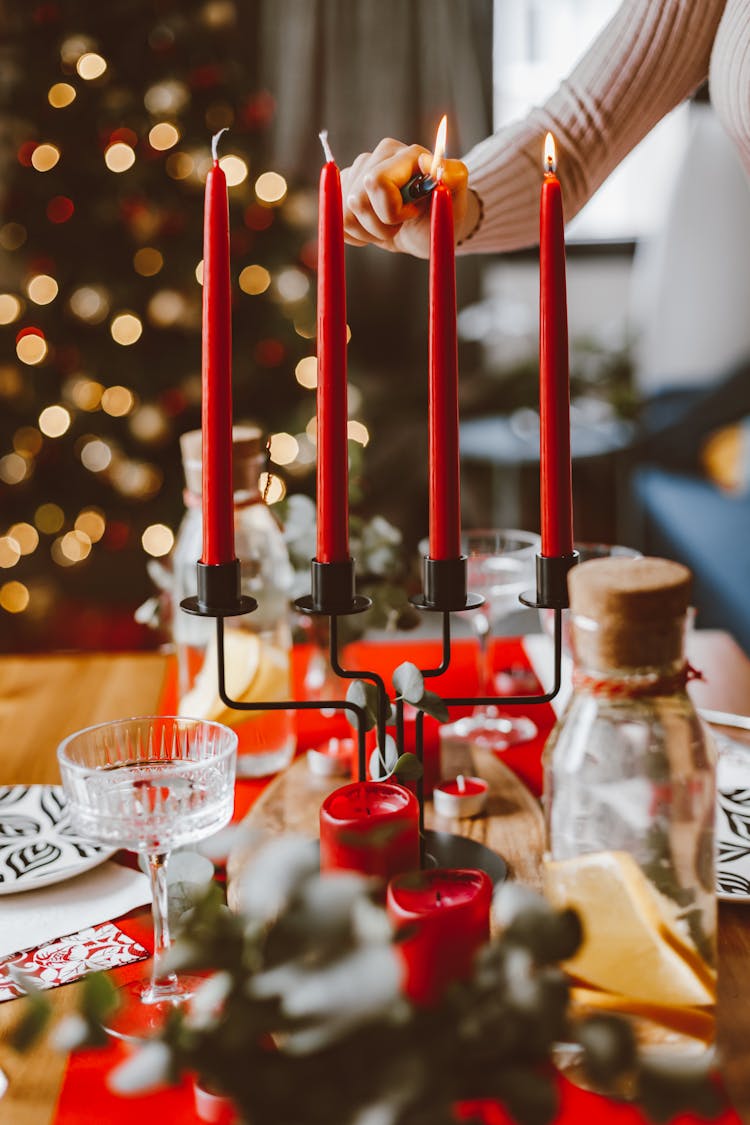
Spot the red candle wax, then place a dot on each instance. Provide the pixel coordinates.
(445, 493)
(371, 827)
(218, 521)
(446, 919)
(554, 381)
(467, 787)
(333, 452)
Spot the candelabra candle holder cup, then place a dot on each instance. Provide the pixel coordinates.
(333, 595)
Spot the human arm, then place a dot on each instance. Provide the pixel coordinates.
(650, 57)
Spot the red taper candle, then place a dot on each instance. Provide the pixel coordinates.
(445, 492)
(554, 380)
(218, 524)
(333, 451)
(445, 917)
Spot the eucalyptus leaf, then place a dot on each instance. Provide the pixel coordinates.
(35, 1016)
(409, 682)
(360, 694)
(383, 763)
(433, 705)
(408, 768)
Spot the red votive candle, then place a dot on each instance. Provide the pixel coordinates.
(446, 917)
(371, 827)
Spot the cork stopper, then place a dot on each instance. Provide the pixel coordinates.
(248, 447)
(628, 613)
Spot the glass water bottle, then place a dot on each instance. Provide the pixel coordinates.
(257, 646)
(630, 795)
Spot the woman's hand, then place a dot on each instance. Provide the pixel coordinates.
(374, 210)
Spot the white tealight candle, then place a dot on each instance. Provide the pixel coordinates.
(460, 797)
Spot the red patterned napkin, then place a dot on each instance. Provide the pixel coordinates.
(68, 958)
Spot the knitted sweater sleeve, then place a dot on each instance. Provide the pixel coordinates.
(649, 57)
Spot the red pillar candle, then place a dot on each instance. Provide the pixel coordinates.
(554, 381)
(445, 494)
(218, 523)
(333, 451)
(446, 918)
(371, 827)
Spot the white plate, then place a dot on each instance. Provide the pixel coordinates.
(37, 845)
(733, 820)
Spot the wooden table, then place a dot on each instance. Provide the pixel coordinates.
(44, 698)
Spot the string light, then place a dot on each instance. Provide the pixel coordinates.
(357, 431)
(306, 372)
(26, 536)
(270, 188)
(10, 308)
(10, 552)
(254, 280)
(42, 289)
(157, 540)
(91, 66)
(147, 261)
(235, 169)
(119, 157)
(283, 448)
(31, 347)
(117, 401)
(13, 468)
(45, 157)
(96, 456)
(126, 328)
(91, 522)
(163, 136)
(61, 94)
(14, 597)
(54, 421)
(49, 518)
(89, 303)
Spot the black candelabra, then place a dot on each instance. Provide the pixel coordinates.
(333, 595)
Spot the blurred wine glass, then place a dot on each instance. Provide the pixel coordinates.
(500, 566)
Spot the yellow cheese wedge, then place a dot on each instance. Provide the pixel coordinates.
(632, 944)
(241, 660)
(696, 1023)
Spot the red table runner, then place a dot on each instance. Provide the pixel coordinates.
(85, 1098)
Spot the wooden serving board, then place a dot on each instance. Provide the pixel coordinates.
(512, 824)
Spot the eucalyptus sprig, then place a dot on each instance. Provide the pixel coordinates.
(409, 687)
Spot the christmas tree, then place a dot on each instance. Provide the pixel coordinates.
(110, 108)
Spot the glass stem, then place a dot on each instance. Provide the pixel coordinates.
(163, 985)
(484, 631)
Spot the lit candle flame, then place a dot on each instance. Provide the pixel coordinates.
(550, 154)
(438, 159)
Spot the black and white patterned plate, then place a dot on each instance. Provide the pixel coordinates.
(733, 820)
(37, 844)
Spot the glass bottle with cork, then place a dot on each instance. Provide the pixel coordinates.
(257, 645)
(630, 795)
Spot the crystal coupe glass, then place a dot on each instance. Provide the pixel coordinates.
(150, 785)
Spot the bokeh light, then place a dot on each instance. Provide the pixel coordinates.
(270, 188)
(26, 536)
(180, 165)
(148, 261)
(86, 394)
(12, 236)
(27, 441)
(42, 289)
(49, 518)
(10, 308)
(89, 303)
(166, 97)
(117, 401)
(91, 522)
(75, 546)
(306, 372)
(31, 348)
(292, 284)
(13, 468)
(167, 307)
(235, 169)
(126, 328)
(157, 540)
(272, 488)
(14, 597)
(96, 456)
(91, 66)
(284, 448)
(162, 136)
(119, 157)
(10, 552)
(54, 421)
(254, 280)
(59, 209)
(61, 94)
(45, 157)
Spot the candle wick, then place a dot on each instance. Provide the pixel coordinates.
(461, 783)
(438, 898)
(323, 134)
(215, 143)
